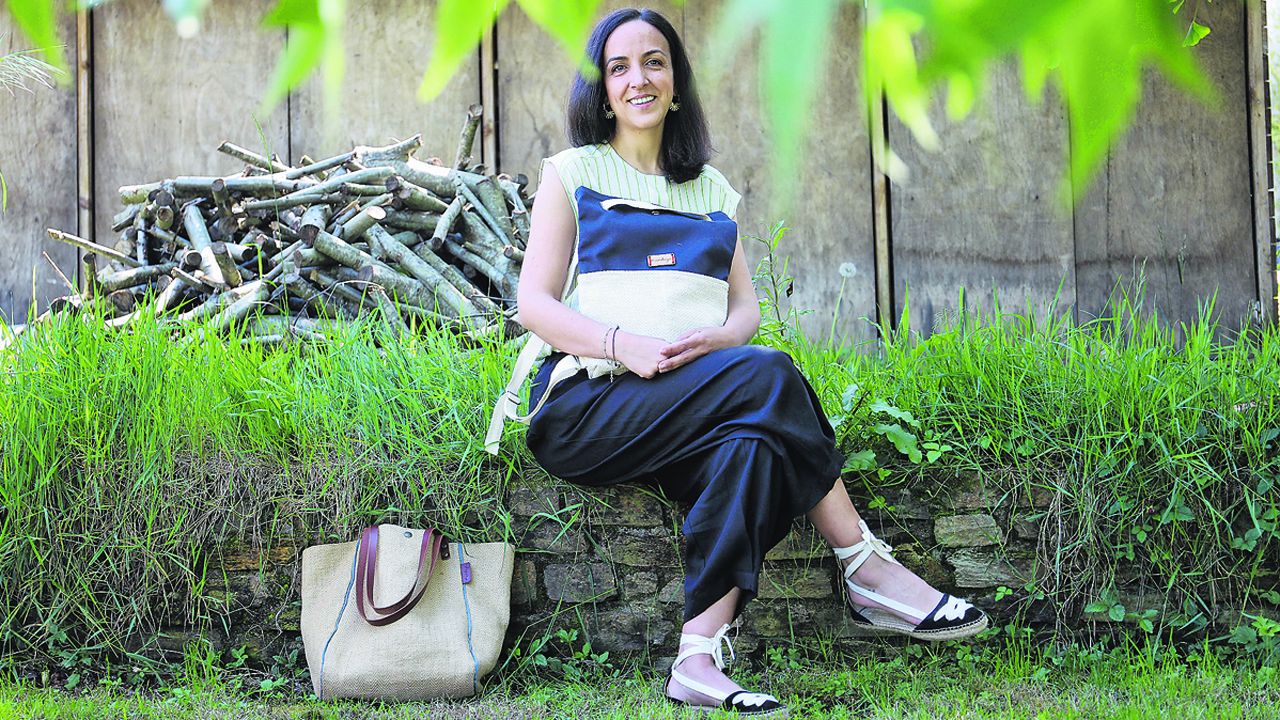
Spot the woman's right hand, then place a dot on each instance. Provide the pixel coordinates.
(639, 353)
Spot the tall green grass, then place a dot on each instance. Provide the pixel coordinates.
(1155, 446)
(125, 457)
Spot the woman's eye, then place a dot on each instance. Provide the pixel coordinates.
(616, 68)
(656, 61)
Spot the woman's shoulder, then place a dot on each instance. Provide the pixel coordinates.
(721, 192)
(714, 176)
(576, 154)
(574, 165)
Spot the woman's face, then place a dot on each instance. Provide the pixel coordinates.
(637, 75)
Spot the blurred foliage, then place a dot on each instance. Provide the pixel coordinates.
(1094, 51)
(315, 38)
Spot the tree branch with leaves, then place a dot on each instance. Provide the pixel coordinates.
(1094, 51)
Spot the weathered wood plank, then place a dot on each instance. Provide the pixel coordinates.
(164, 104)
(831, 221)
(84, 123)
(38, 159)
(1261, 159)
(1173, 198)
(885, 311)
(388, 45)
(983, 214)
(487, 138)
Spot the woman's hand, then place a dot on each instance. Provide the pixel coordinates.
(693, 345)
(639, 353)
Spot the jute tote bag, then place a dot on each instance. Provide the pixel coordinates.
(404, 614)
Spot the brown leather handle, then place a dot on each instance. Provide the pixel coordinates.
(366, 568)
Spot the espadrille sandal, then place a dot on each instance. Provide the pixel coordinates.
(741, 702)
(950, 619)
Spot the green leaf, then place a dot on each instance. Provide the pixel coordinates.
(459, 26)
(1265, 482)
(848, 396)
(569, 22)
(4, 194)
(315, 37)
(1097, 606)
(38, 20)
(903, 440)
(890, 67)
(881, 406)
(1195, 34)
(1244, 635)
(1116, 612)
(1037, 62)
(864, 460)
(961, 95)
(72, 681)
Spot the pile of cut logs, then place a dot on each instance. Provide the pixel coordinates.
(281, 251)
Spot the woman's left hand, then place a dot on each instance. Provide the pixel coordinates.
(693, 345)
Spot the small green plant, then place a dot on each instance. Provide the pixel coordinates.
(899, 427)
(1259, 639)
(779, 318)
(562, 655)
(1109, 604)
(286, 672)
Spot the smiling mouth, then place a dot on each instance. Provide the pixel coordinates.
(641, 101)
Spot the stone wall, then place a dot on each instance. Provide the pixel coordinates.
(608, 563)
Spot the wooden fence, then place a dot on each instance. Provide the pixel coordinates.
(1183, 195)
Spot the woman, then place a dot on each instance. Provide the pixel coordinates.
(733, 429)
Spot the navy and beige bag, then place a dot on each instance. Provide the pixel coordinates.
(648, 269)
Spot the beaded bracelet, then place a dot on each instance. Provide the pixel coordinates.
(604, 343)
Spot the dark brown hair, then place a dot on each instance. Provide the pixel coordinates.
(686, 143)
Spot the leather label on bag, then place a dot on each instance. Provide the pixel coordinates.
(662, 260)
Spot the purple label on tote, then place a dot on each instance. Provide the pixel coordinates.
(466, 573)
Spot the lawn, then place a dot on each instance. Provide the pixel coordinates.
(996, 677)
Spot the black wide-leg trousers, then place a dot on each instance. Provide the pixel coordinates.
(737, 433)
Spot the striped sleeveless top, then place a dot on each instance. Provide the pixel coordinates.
(600, 168)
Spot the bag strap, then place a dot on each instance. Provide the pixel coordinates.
(508, 405)
(366, 568)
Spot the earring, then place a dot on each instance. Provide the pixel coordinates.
(675, 103)
(608, 112)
